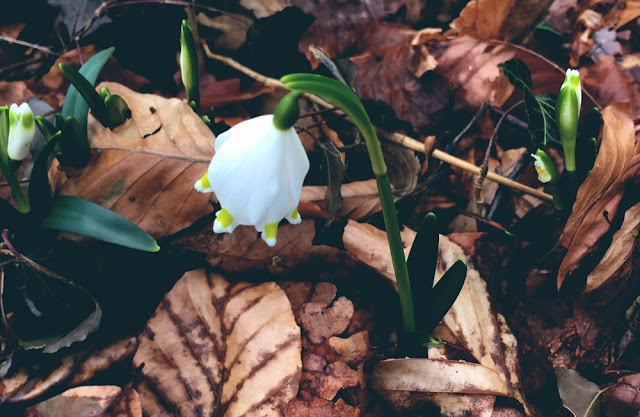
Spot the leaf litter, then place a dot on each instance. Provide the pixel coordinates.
(338, 345)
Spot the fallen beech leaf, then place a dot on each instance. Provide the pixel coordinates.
(630, 13)
(611, 266)
(216, 348)
(500, 20)
(609, 84)
(145, 169)
(369, 245)
(30, 383)
(616, 149)
(577, 393)
(104, 401)
(602, 191)
(430, 375)
(242, 250)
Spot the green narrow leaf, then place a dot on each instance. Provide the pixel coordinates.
(444, 294)
(73, 214)
(421, 265)
(540, 112)
(5, 165)
(85, 88)
(74, 104)
(517, 73)
(39, 187)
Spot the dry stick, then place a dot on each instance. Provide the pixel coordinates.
(398, 138)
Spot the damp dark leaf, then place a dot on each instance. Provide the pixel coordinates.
(578, 394)
(218, 348)
(517, 73)
(540, 112)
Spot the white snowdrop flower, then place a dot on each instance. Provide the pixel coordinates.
(256, 174)
(22, 129)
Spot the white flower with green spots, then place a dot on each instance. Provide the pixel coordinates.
(22, 129)
(256, 174)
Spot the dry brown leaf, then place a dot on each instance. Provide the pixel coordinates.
(602, 191)
(216, 348)
(359, 198)
(612, 265)
(609, 84)
(369, 245)
(630, 13)
(104, 401)
(353, 349)
(498, 19)
(145, 169)
(392, 47)
(327, 383)
(265, 8)
(616, 149)
(322, 322)
(243, 250)
(28, 384)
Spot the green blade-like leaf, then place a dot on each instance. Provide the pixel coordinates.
(5, 165)
(39, 186)
(444, 294)
(517, 73)
(541, 114)
(74, 104)
(73, 214)
(421, 264)
(85, 88)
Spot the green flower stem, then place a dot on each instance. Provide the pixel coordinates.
(340, 95)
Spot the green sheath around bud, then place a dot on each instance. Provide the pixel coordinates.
(567, 115)
(190, 66)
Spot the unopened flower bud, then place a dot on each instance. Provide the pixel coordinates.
(22, 129)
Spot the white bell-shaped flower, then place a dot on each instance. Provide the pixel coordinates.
(256, 174)
(22, 129)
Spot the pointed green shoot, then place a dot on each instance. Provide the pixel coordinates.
(421, 265)
(190, 66)
(444, 294)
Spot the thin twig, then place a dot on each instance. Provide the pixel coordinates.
(403, 140)
(484, 168)
(29, 44)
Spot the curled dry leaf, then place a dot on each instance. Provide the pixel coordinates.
(242, 250)
(104, 401)
(216, 348)
(145, 169)
(615, 265)
(599, 197)
(499, 19)
(28, 384)
(471, 325)
(322, 322)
